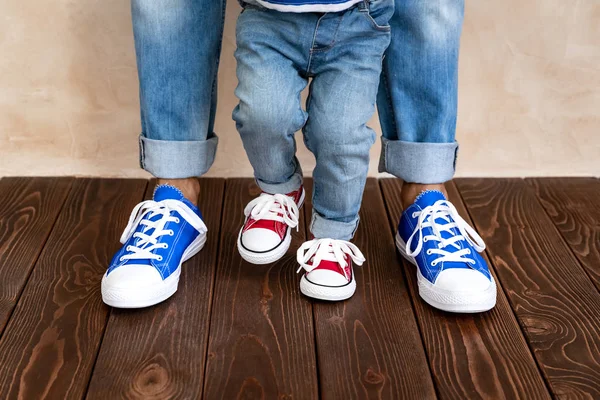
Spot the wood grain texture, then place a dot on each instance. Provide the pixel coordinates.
(28, 209)
(369, 346)
(51, 342)
(553, 298)
(160, 351)
(573, 204)
(461, 346)
(261, 343)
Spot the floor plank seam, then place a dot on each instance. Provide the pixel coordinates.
(530, 186)
(412, 301)
(512, 306)
(37, 257)
(107, 319)
(214, 279)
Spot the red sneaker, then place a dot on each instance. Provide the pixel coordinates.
(328, 265)
(266, 234)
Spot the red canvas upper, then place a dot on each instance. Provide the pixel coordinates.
(278, 227)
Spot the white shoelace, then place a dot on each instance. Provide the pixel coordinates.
(330, 250)
(274, 207)
(427, 218)
(142, 250)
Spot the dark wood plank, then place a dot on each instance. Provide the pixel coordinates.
(573, 204)
(51, 342)
(460, 347)
(261, 342)
(369, 346)
(160, 351)
(553, 298)
(28, 209)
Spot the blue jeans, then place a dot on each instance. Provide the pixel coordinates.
(178, 45)
(418, 93)
(342, 52)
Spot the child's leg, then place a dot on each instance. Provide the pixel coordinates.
(269, 56)
(269, 111)
(342, 100)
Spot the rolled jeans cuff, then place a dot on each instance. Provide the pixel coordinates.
(323, 228)
(288, 186)
(170, 159)
(418, 162)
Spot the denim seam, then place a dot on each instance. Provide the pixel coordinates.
(384, 150)
(213, 93)
(312, 45)
(334, 41)
(142, 153)
(305, 137)
(379, 28)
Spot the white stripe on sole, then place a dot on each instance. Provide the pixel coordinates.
(151, 295)
(451, 301)
(327, 292)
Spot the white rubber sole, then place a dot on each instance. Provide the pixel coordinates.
(451, 301)
(150, 295)
(329, 293)
(270, 256)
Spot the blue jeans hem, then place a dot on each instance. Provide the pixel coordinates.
(169, 159)
(288, 186)
(418, 162)
(323, 228)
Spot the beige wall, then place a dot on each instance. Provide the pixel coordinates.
(529, 90)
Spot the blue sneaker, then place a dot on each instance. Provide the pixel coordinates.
(162, 233)
(451, 274)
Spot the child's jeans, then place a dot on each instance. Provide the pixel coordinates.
(342, 52)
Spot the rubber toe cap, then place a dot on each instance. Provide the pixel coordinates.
(326, 277)
(260, 239)
(462, 280)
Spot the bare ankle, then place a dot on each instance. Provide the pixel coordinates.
(190, 187)
(410, 192)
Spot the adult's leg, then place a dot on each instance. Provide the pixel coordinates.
(178, 44)
(417, 99)
(417, 103)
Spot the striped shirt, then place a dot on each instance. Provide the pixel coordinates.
(305, 5)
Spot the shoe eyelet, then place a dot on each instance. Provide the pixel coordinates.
(120, 259)
(429, 252)
(414, 215)
(160, 258)
(425, 240)
(469, 251)
(176, 220)
(171, 233)
(128, 248)
(165, 246)
(434, 263)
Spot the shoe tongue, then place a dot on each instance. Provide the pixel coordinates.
(428, 197)
(167, 192)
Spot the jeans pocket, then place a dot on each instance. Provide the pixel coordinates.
(379, 13)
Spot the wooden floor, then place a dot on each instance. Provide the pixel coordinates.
(235, 330)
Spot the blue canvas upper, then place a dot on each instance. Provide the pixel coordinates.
(407, 225)
(181, 235)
